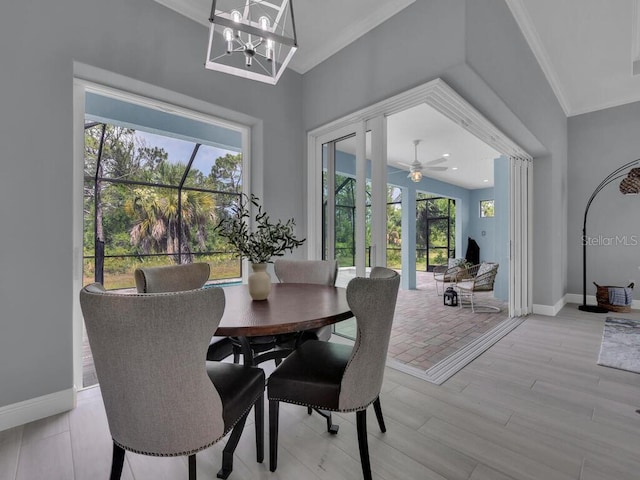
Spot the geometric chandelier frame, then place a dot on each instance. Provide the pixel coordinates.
(254, 39)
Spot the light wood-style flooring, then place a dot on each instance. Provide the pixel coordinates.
(534, 406)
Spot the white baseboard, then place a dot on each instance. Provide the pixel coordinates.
(36, 408)
(550, 310)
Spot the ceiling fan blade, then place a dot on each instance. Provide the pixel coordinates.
(437, 161)
(436, 169)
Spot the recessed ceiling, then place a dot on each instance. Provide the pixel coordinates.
(586, 48)
(470, 156)
(323, 27)
(439, 135)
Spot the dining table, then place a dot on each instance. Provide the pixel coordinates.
(290, 308)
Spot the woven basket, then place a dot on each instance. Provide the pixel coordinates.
(602, 296)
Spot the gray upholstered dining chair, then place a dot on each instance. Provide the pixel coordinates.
(177, 278)
(321, 272)
(338, 377)
(160, 395)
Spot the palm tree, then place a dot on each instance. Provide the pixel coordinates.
(162, 226)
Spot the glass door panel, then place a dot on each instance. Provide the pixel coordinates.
(437, 242)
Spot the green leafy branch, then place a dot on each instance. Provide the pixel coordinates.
(266, 241)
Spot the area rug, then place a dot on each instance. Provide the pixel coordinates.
(620, 346)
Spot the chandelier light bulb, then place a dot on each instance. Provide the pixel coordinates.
(228, 36)
(269, 50)
(264, 23)
(236, 16)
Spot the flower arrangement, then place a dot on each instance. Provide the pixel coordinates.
(267, 241)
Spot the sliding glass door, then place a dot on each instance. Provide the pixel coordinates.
(348, 222)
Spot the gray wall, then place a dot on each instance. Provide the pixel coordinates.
(39, 40)
(498, 52)
(478, 49)
(600, 142)
(474, 45)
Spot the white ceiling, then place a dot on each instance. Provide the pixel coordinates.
(586, 48)
(439, 135)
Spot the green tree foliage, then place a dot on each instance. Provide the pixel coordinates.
(487, 208)
(435, 229)
(135, 219)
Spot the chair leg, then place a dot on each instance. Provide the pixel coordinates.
(117, 462)
(378, 409)
(230, 447)
(258, 408)
(309, 410)
(274, 407)
(361, 424)
(192, 467)
(236, 354)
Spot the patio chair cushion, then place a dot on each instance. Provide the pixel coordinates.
(485, 267)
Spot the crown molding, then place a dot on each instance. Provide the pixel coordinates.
(189, 9)
(303, 63)
(525, 23)
(604, 105)
(439, 95)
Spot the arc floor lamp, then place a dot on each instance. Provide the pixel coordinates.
(630, 185)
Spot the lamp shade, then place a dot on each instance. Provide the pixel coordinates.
(253, 39)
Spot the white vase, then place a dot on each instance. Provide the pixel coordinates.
(259, 281)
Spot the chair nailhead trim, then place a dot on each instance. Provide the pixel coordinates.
(356, 409)
(191, 452)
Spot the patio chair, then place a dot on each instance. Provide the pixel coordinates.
(478, 278)
(160, 395)
(446, 274)
(338, 377)
(177, 278)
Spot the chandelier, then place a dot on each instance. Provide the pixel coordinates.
(253, 39)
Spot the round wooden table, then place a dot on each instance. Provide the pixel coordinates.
(291, 307)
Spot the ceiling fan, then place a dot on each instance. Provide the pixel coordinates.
(415, 169)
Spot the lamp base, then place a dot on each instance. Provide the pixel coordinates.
(592, 309)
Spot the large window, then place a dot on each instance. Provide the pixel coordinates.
(152, 199)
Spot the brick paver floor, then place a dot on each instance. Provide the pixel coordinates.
(425, 331)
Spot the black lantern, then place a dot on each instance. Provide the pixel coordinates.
(450, 297)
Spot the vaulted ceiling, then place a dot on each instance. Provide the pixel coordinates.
(589, 51)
